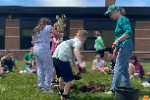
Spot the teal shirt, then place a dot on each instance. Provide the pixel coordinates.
(123, 27)
(99, 45)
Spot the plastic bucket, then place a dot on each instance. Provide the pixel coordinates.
(123, 93)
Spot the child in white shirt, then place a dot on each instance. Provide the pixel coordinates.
(98, 64)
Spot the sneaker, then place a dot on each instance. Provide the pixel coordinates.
(21, 71)
(41, 88)
(2, 76)
(147, 85)
(59, 93)
(54, 83)
(144, 83)
(63, 98)
(57, 81)
(76, 77)
(6, 72)
(110, 92)
(48, 91)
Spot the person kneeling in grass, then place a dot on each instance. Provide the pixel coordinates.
(98, 64)
(131, 69)
(7, 62)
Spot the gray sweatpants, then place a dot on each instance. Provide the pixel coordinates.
(44, 66)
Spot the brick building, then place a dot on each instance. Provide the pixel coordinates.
(15, 32)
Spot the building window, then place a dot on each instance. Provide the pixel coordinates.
(66, 35)
(90, 42)
(26, 38)
(2, 38)
(26, 27)
(108, 37)
(91, 27)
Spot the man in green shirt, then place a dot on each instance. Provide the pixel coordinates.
(28, 57)
(8, 62)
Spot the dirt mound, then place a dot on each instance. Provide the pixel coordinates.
(92, 87)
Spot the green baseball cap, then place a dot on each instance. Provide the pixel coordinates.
(112, 7)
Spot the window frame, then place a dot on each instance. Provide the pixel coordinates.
(23, 25)
(2, 26)
(92, 27)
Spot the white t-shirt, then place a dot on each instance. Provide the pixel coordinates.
(99, 64)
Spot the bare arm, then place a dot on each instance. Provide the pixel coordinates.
(102, 65)
(32, 40)
(16, 67)
(74, 64)
(33, 66)
(54, 32)
(26, 61)
(54, 39)
(123, 37)
(94, 65)
(77, 54)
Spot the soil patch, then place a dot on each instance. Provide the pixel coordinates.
(92, 87)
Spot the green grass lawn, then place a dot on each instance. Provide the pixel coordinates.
(17, 86)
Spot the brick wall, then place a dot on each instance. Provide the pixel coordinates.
(12, 34)
(76, 25)
(109, 2)
(142, 36)
(18, 54)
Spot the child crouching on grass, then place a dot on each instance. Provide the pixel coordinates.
(65, 51)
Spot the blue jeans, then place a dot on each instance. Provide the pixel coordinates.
(148, 79)
(122, 65)
(9, 66)
(44, 66)
(27, 67)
